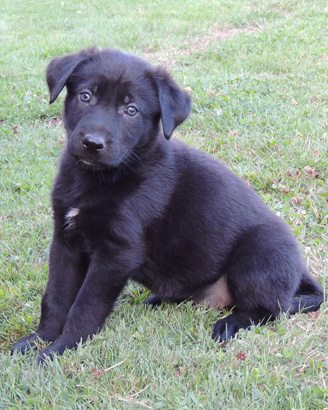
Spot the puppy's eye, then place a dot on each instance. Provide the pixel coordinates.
(85, 96)
(131, 110)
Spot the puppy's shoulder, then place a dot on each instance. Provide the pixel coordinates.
(198, 169)
(195, 159)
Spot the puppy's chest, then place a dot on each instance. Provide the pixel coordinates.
(71, 219)
(87, 222)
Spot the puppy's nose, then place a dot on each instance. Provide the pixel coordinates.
(93, 142)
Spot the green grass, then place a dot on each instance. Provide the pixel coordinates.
(258, 74)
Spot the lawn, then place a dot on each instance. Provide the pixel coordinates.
(258, 73)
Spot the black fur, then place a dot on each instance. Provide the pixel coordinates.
(130, 204)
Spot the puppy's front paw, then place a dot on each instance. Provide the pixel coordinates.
(48, 353)
(25, 344)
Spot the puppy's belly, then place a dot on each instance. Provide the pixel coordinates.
(216, 295)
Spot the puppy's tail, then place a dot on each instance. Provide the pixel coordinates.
(308, 297)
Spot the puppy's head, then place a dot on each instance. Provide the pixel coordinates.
(114, 104)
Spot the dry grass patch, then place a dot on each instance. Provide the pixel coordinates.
(198, 44)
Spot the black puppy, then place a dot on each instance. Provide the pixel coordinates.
(130, 204)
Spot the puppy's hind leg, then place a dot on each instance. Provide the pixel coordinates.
(309, 295)
(263, 272)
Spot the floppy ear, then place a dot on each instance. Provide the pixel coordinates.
(174, 101)
(59, 70)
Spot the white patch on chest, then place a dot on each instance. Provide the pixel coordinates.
(70, 221)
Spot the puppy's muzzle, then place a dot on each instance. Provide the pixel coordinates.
(93, 143)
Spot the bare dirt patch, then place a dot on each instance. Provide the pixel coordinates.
(199, 44)
(219, 34)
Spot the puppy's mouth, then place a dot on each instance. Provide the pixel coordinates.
(92, 164)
